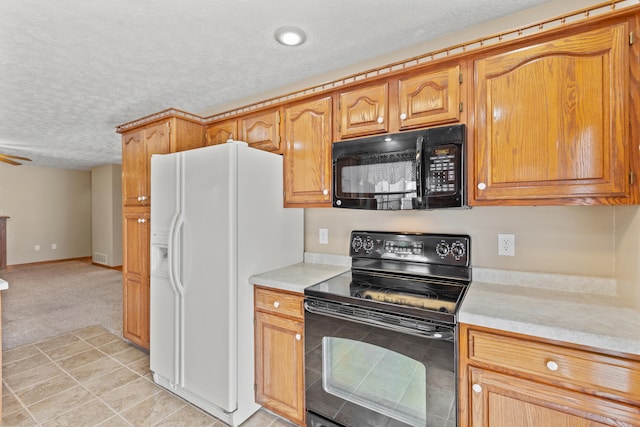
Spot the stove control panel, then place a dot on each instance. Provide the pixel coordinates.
(444, 249)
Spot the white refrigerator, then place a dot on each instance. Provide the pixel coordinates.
(217, 218)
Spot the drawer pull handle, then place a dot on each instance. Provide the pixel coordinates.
(298, 337)
(276, 304)
(552, 366)
(477, 388)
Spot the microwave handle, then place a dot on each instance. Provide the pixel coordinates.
(419, 176)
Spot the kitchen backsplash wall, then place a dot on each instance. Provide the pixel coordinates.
(600, 241)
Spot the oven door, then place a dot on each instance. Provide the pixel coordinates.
(359, 374)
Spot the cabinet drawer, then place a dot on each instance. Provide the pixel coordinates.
(584, 370)
(276, 302)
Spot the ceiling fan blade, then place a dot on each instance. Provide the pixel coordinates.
(11, 162)
(15, 157)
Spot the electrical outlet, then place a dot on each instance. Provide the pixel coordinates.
(506, 244)
(37, 248)
(54, 246)
(323, 236)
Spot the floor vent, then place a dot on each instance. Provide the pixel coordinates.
(99, 258)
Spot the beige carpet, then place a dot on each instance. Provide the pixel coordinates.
(45, 300)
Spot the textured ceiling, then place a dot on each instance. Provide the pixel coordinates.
(72, 70)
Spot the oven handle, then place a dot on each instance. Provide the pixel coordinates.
(419, 179)
(436, 335)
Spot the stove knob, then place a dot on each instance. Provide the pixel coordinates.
(442, 249)
(356, 244)
(368, 245)
(458, 250)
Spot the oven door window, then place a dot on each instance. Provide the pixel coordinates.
(388, 383)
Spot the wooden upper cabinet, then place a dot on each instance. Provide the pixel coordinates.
(138, 144)
(551, 121)
(220, 132)
(262, 130)
(307, 156)
(430, 98)
(137, 148)
(363, 111)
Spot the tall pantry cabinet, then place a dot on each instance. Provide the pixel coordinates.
(165, 132)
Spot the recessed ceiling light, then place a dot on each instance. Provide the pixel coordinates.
(290, 36)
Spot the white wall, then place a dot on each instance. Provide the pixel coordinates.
(46, 206)
(106, 208)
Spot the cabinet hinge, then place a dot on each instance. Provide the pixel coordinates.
(631, 37)
(460, 78)
(461, 106)
(631, 178)
(338, 104)
(278, 117)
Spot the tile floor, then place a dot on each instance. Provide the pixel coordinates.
(91, 377)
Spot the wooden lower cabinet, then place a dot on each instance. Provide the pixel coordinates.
(135, 276)
(511, 380)
(279, 350)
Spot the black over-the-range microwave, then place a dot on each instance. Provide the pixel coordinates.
(423, 169)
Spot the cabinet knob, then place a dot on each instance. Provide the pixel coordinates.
(276, 304)
(325, 191)
(141, 220)
(142, 198)
(477, 388)
(298, 337)
(552, 366)
(403, 116)
(482, 186)
(380, 120)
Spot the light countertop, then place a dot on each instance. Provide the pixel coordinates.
(3, 284)
(573, 309)
(298, 276)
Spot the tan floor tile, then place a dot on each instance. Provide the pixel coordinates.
(10, 404)
(46, 389)
(23, 365)
(49, 408)
(135, 392)
(116, 421)
(18, 353)
(95, 369)
(103, 339)
(141, 367)
(154, 409)
(114, 347)
(81, 359)
(89, 414)
(90, 332)
(130, 355)
(55, 342)
(31, 377)
(259, 419)
(189, 416)
(68, 350)
(111, 381)
(19, 418)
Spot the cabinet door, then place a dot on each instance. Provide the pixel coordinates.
(551, 119)
(429, 99)
(136, 276)
(307, 157)
(364, 111)
(219, 133)
(133, 167)
(280, 365)
(156, 141)
(262, 131)
(498, 400)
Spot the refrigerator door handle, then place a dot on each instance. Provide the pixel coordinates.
(175, 235)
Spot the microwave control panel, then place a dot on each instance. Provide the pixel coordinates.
(443, 164)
